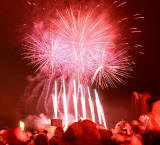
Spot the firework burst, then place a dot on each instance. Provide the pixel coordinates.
(79, 46)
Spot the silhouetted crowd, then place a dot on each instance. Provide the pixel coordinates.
(144, 131)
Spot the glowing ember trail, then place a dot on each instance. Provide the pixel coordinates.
(91, 105)
(75, 102)
(83, 104)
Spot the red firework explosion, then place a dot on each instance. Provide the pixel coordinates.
(80, 46)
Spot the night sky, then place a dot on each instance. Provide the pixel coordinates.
(13, 13)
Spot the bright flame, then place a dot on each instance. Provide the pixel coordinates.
(21, 125)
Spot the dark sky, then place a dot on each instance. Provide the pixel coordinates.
(146, 75)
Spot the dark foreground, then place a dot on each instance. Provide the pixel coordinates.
(145, 131)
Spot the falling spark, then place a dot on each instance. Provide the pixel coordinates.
(122, 20)
(138, 45)
(133, 28)
(141, 53)
(139, 17)
(136, 31)
(115, 2)
(91, 106)
(121, 4)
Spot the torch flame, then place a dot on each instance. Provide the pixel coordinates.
(21, 125)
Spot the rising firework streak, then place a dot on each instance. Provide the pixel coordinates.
(83, 102)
